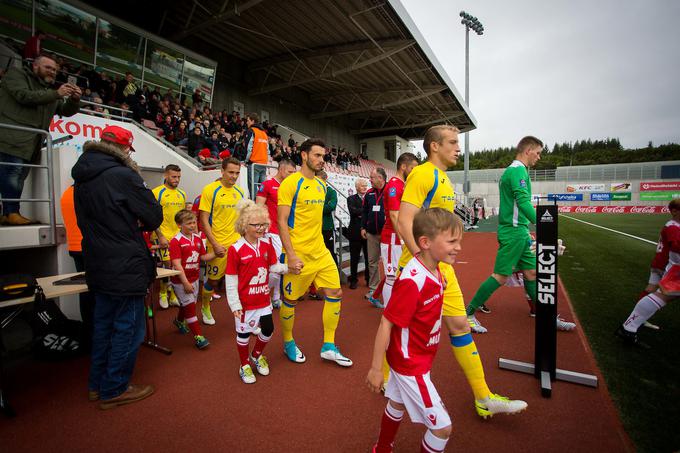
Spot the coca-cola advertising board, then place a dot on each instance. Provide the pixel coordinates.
(614, 209)
(659, 185)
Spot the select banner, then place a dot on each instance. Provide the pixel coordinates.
(585, 188)
(620, 187)
(658, 196)
(659, 185)
(565, 197)
(600, 196)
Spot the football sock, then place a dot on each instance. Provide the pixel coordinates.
(530, 288)
(331, 318)
(259, 345)
(164, 288)
(387, 290)
(208, 291)
(287, 318)
(644, 309)
(485, 291)
(465, 351)
(189, 313)
(242, 346)
(432, 443)
(388, 429)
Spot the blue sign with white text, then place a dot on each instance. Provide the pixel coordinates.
(565, 196)
(600, 196)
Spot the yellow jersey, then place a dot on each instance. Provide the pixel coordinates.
(427, 186)
(172, 201)
(306, 198)
(220, 203)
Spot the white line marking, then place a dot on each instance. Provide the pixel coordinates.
(609, 229)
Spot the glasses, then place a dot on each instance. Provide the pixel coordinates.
(259, 226)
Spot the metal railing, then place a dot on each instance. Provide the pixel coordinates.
(52, 240)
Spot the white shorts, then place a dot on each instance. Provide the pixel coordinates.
(421, 399)
(250, 319)
(183, 297)
(390, 255)
(275, 240)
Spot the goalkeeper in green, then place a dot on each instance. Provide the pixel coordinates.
(514, 239)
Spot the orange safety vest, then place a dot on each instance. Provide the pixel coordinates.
(68, 211)
(260, 146)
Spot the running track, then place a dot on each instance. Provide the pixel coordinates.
(201, 405)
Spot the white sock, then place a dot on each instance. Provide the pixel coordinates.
(387, 290)
(644, 309)
(432, 443)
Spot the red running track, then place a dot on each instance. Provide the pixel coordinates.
(201, 405)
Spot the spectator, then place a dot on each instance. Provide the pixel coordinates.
(256, 144)
(214, 144)
(140, 109)
(372, 221)
(291, 141)
(196, 98)
(196, 142)
(129, 88)
(119, 266)
(27, 99)
(168, 129)
(357, 243)
(33, 47)
(181, 135)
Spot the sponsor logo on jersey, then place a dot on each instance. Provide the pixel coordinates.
(414, 272)
(522, 183)
(259, 279)
(393, 192)
(432, 418)
(431, 299)
(435, 333)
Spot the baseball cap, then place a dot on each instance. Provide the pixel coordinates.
(116, 134)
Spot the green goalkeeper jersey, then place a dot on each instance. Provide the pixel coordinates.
(516, 210)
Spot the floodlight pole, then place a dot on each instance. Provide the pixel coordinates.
(466, 156)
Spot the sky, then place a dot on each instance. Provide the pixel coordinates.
(562, 70)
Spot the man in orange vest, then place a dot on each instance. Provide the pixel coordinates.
(74, 238)
(256, 143)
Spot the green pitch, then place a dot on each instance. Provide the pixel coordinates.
(604, 272)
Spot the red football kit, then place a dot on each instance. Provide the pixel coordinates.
(251, 265)
(392, 193)
(269, 190)
(189, 250)
(416, 312)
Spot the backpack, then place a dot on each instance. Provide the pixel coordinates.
(15, 286)
(55, 337)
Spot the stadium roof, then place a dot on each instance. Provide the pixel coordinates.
(364, 60)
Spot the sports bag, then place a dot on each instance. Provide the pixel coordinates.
(55, 337)
(15, 286)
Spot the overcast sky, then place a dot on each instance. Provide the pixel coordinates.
(562, 70)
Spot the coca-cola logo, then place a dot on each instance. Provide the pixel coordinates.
(643, 209)
(590, 209)
(614, 209)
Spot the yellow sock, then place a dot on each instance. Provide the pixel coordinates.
(287, 318)
(171, 293)
(206, 297)
(331, 318)
(164, 288)
(386, 370)
(465, 351)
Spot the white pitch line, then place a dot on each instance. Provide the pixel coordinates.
(609, 229)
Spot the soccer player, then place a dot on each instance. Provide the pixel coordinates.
(172, 199)
(186, 251)
(390, 240)
(428, 186)
(409, 331)
(515, 242)
(301, 201)
(268, 195)
(667, 284)
(218, 215)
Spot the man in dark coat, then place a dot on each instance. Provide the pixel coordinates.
(357, 243)
(113, 207)
(28, 100)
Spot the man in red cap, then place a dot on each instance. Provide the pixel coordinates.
(113, 207)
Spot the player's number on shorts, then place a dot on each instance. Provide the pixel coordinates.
(289, 288)
(213, 270)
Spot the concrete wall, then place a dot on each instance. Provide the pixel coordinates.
(375, 148)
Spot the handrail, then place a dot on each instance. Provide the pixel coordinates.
(50, 177)
(96, 104)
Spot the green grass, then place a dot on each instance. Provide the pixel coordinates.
(604, 272)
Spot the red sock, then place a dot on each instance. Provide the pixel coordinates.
(259, 345)
(189, 313)
(181, 316)
(388, 429)
(242, 346)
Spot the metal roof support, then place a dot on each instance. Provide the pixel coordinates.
(332, 74)
(376, 90)
(424, 123)
(218, 18)
(426, 94)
